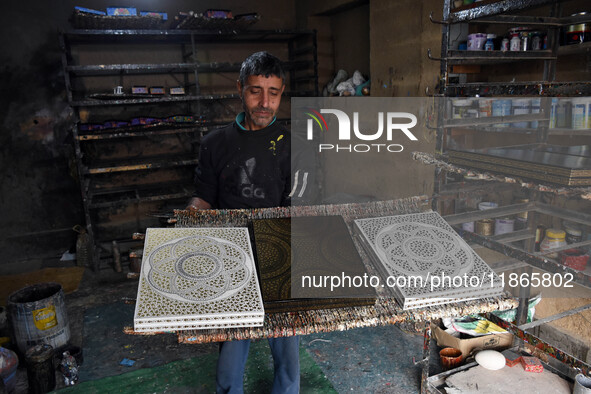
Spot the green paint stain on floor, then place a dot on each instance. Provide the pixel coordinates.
(197, 375)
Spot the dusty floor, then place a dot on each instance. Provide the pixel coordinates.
(362, 360)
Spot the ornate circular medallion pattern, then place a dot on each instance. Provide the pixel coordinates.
(198, 269)
(420, 249)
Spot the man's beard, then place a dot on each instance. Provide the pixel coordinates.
(260, 122)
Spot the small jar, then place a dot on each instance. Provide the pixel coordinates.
(515, 43)
(524, 45)
(505, 45)
(573, 233)
(555, 238)
(537, 40)
(489, 44)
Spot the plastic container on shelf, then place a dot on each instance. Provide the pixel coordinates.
(476, 41)
(489, 45)
(515, 42)
(468, 226)
(555, 238)
(537, 40)
(483, 206)
(579, 33)
(504, 225)
(505, 45)
(573, 232)
(574, 258)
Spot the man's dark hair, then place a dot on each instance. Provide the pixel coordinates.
(261, 63)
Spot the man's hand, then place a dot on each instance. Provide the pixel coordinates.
(196, 203)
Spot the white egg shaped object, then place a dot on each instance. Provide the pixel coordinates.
(490, 359)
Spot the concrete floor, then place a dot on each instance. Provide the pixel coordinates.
(377, 360)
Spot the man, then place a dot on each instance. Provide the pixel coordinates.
(247, 165)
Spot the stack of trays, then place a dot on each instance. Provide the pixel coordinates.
(424, 262)
(197, 278)
(564, 165)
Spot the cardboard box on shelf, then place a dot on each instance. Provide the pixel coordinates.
(492, 341)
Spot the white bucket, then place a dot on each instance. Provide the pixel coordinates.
(487, 205)
(468, 226)
(582, 384)
(504, 225)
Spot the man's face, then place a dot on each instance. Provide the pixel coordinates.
(261, 97)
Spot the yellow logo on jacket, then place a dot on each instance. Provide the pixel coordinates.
(273, 147)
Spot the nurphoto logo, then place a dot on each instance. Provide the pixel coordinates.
(394, 122)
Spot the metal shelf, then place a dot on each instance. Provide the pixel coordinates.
(496, 57)
(488, 8)
(136, 194)
(574, 49)
(141, 131)
(491, 120)
(501, 244)
(124, 178)
(85, 35)
(169, 68)
(110, 99)
(137, 165)
(525, 88)
(570, 132)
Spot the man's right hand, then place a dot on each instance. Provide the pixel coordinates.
(197, 203)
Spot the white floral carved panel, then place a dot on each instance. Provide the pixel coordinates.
(427, 262)
(195, 278)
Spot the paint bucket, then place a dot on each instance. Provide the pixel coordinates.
(40, 369)
(483, 206)
(504, 225)
(574, 258)
(8, 365)
(38, 315)
(582, 384)
(468, 226)
(476, 41)
(573, 232)
(485, 227)
(450, 358)
(520, 107)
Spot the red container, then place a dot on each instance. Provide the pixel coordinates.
(532, 364)
(574, 258)
(450, 357)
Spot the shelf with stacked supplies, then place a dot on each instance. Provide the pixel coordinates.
(123, 83)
